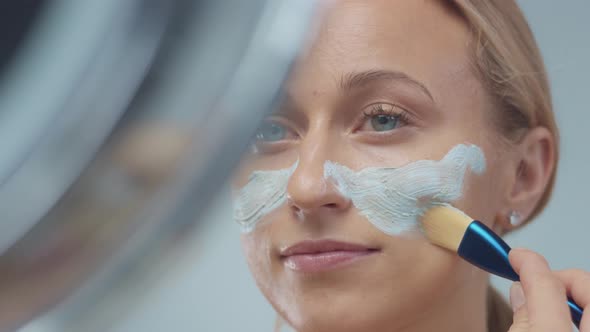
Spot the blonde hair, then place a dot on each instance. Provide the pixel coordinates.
(510, 66)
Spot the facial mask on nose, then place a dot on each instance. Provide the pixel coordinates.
(392, 199)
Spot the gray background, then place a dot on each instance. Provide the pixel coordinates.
(215, 292)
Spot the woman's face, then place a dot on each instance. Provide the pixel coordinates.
(385, 83)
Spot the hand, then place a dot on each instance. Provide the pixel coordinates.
(539, 300)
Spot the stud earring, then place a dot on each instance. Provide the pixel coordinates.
(515, 218)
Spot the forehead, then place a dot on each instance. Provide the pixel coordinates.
(425, 39)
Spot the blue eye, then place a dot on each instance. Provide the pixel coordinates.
(382, 122)
(271, 132)
(384, 117)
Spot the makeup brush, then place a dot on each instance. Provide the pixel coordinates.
(452, 229)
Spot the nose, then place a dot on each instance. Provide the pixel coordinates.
(309, 192)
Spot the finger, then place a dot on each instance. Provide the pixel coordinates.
(577, 284)
(520, 321)
(545, 294)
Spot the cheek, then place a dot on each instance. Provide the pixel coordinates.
(411, 276)
(240, 176)
(267, 269)
(437, 275)
(257, 250)
(483, 195)
(439, 266)
(253, 245)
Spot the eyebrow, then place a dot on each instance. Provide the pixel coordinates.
(359, 79)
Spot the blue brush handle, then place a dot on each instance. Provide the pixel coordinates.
(483, 248)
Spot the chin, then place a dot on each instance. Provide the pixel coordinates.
(327, 317)
(327, 308)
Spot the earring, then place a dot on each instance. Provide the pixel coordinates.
(514, 218)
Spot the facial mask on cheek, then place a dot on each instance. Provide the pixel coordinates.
(392, 199)
(264, 192)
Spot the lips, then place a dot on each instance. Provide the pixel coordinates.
(322, 255)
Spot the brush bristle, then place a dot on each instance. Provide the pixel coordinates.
(445, 226)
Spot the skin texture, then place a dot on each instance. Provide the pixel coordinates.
(410, 284)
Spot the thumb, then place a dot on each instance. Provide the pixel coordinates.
(520, 321)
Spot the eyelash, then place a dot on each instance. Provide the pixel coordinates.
(395, 111)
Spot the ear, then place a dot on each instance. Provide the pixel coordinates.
(534, 163)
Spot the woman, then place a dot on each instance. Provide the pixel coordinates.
(385, 84)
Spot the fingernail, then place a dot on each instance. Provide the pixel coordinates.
(517, 298)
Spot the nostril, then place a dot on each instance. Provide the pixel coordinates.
(296, 209)
(297, 212)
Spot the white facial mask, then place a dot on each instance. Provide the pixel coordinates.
(392, 199)
(264, 192)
